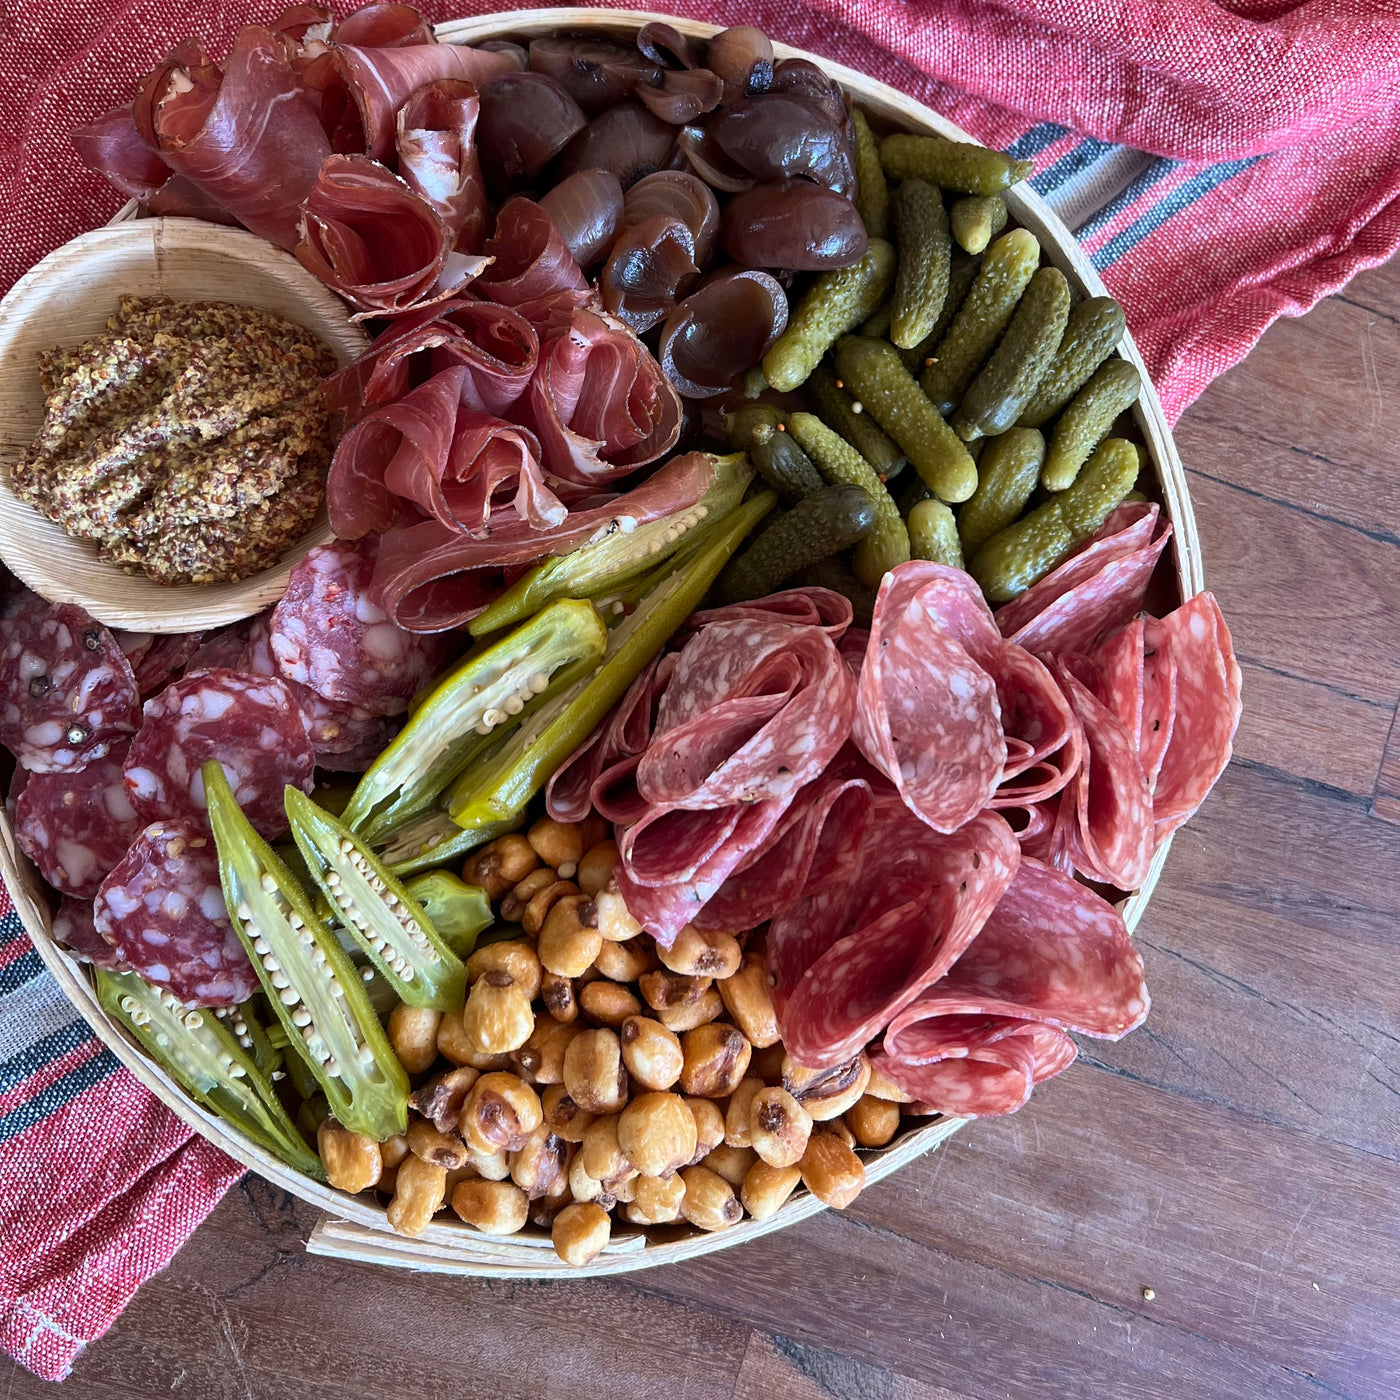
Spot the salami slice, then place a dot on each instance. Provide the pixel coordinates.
(853, 646)
(809, 606)
(67, 692)
(1119, 667)
(1158, 700)
(164, 659)
(75, 827)
(329, 636)
(223, 650)
(251, 724)
(163, 909)
(73, 929)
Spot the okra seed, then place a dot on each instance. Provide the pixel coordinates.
(301, 1017)
(243, 911)
(279, 980)
(288, 996)
(332, 1068)
(268, 883)
(514, 705)
(238, 1072)
(332, 878)
(337, 991)
(271, 963)
(539, 683)
(367, 975)
(261, 946)
(347, 846)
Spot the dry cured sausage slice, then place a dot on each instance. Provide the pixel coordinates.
(164, 659)
(73, 929)
(1158, 699)
(806, 607)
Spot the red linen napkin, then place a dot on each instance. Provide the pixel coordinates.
(1222, 163)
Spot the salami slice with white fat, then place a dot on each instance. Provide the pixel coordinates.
(809, 606)
(73, 929)
(75, 827)
(1119, 669)
(223, 650)
(251, 724)
(1158, 699)
(67, 692)
(163, 910)
(164, 659)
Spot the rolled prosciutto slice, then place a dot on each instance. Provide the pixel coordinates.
(438, 160)
(533, 269)
(384, 25)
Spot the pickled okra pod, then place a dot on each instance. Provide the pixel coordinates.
(434, 839)
(311, 984)
(196, 1049)
(951, 165)
(458, 911)
(376, 909)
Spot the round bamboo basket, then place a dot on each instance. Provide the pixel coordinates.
(355, 1227)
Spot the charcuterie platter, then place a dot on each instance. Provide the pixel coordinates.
(745, 693)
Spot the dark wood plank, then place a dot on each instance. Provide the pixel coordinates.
(780, 1366)
(1386, 805)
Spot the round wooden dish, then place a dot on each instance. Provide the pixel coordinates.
(355, 1227)
(67, 298)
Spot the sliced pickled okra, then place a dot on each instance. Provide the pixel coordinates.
(197, 1050)
(471, 709)
(433, 839)
(1016, 557)
(835, 303)
(834, 573)
(497, 788)
(925, 254)
(872, 193)
(1006, 270)
(457, 910)
(760, 430)
(836, 408)
(962, 272)
(1095, 327)
(933, 534)
(245, 1024)
(1006, 382)
(1113, 387)
(887, 544)
(603, 564)
(313, 1112)
(311, 984)
(951, 165)
(1008, 470)
(976, 219)
(817, 527)
(376, 909)
(875, 374)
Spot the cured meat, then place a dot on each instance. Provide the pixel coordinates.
(75, 827)
(1158, 700)
(805, 607)
(328, 636)
(1118, 671)
(251, 724)
(67, 692)
(384, 25)
(431, 454)
(161, 662)
(533, 269)
(303, 22)
(438, 160)
(163, 909)
(901, 906)
(223, 650)
(73, 929)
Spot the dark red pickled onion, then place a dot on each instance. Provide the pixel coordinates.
(596, 73)
(681, 195)
(795, 225)
(650, 266)
(777, 135)
(587, 210)
(627, 140)
(710, 163)
(515, 52)
(743, 58)
(664, 44)
(526, 120)
(683, 96)
(721, 330)
(802, 78)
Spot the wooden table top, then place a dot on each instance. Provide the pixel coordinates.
(1237, 1156)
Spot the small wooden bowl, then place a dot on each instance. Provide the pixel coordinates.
(67, 298)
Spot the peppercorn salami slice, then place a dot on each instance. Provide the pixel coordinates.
(163, 910)
(251, 724)
(809, 606)
(75, 827)
(73, 929)
(67, 692)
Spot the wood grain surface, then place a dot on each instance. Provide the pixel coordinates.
(1238, 1156)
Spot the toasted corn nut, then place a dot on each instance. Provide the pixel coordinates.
(541, 1059)
(626, 962)
(766, 1188)
(596, 868)
(568, 941)
(443, 1149)
(493, 1207)
(500, 866)
(501, 1111)
(393, 1150)
(736, 1116)
(452, 1042)
(690, 1014)
(488, 1063)
(466, 1173)
(625, 1192)
(716, 1057)
(767, 1064)
(440, 1100)
(541, 1167)
(419, 1189)
(701, 953)
(874, 1122)
(732, 1163)
(827, 1093)
(514, 904)
(581, 1232)
(559, 844)
(882, 1087)
(662, 990)
(656, 1133)
(779, 1127)
(564, 1117)
(588, 1188)
(537, 910)
(515, 957)
(497, 1017)
(602, 1154)
(560, 998)
(709, 1202)
(831, 1171)
(659, 1197)
(353, 1162)
(748, 999)
(709, 1127)
(491, 1166)
(545, 1211)
(608, 1003)
(413, 1034)
(594, 1073)
(651, 1053)
(615, 922)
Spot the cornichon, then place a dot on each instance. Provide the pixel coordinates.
(925, 253)
(1095, 327)
(1008, 471)
(1016, 557)
(310, 982)
(887, 544)
(1113, 387)
(760, 430)
(836, 303)
(486, 696)
(1007, 267)
(457, 910)
(915, 490)
(872, 194)
(836, 409)
(822, 524)
(962, 271)
(976, 219)
(376, 909)
(603, 564)
(875, 374)
(951, 165)
(497, 788)
(878, 325)
(995, 399)
(197, 1051)
(834, 573)
(933, 534)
